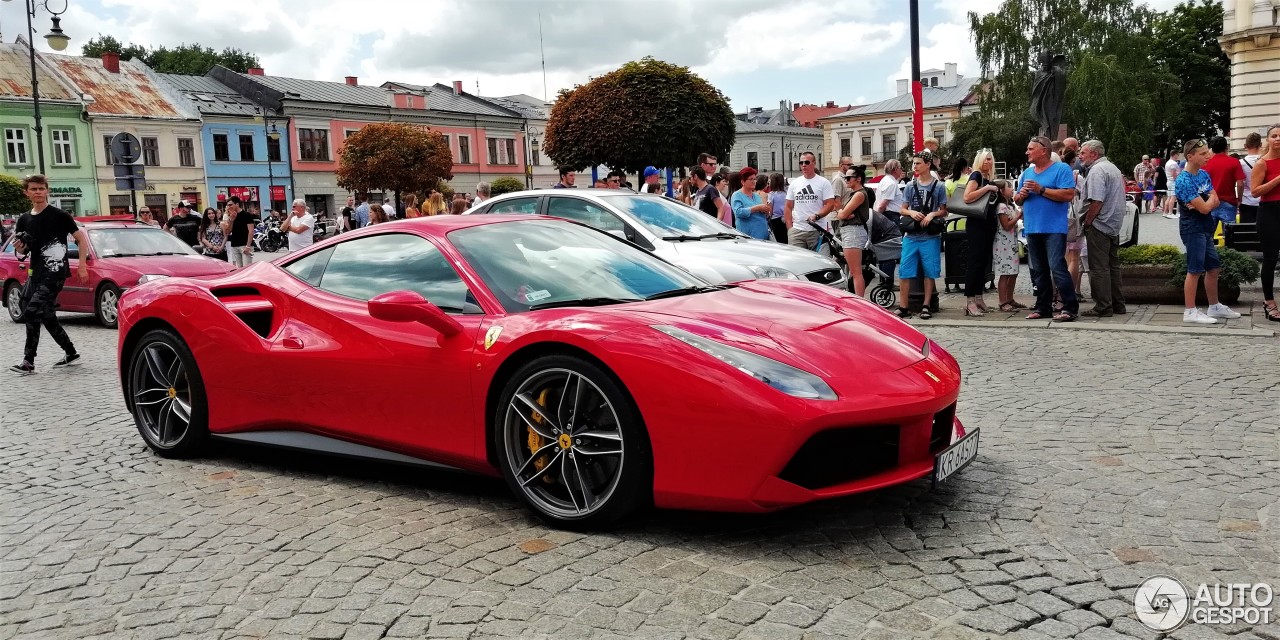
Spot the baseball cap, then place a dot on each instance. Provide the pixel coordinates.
(650, 171)
(182, 204)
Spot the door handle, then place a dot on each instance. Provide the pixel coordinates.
(291, 343)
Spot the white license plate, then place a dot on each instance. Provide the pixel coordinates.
(951, 460)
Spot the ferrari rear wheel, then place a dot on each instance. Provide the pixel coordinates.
(166, 395)
(571, 443)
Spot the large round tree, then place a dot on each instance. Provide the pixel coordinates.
(403, 158)
(645, 113)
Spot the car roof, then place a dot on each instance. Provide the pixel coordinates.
(581, 193)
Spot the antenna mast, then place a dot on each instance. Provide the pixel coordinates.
(544, 58)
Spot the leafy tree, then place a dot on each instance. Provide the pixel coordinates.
(187, 59)
(505, 185)
(13, 199)
(1186, 41)
(394, 156)
(645, 113)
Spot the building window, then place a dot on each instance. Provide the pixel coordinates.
(753, 160)
(15, 147)
(941, 135)
(151, 152)
(106, 151)
(535, 159)
(448, 144)
(845, 143)
(186, 152)
(511, 151)
(346, 133)
(866, 145)
(313, 144)
(221, 148)
(773, 160)
(273, 149)
(493, 150)
(246, 147)
(464, 149)
(889, 145)
(64, 151)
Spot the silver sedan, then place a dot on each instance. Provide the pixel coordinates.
(676, 233)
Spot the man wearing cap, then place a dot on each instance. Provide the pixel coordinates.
(652, 181)
(1045, 192)
(185, 225)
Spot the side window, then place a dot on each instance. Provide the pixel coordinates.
(311, 267)
(516, 205)
(371, 266)
(585, 212)
(73, 249)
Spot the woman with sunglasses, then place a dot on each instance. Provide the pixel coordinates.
(1264, 184)
(211, 236)
(146, 217)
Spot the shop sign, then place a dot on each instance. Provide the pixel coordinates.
(277, 192)
(246, 194)
(74, 192)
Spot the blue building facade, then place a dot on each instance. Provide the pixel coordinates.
(246, 149)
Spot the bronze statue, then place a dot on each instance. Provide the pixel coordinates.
(1047, 92)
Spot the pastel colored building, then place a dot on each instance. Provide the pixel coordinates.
(68, 145)
(245, 147)
(128, 97)
(1251, 39)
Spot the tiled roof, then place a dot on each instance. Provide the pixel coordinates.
(135, 91)
(750, 127)
(321, 91)
(15, 75)
(440, 97)
(525, 109)
(931, 97)
(209, 96)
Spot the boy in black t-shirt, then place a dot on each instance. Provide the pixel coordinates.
(42, 236)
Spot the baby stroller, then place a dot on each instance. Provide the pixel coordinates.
(882, 293)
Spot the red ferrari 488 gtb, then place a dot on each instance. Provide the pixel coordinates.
(593, 376)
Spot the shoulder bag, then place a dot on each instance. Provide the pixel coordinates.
(980, 208)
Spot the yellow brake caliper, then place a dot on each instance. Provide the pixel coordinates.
(536, 442)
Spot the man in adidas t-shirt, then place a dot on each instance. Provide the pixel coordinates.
(809, 199)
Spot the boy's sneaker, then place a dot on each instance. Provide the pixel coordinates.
(23, 369)
(1222, 311)
(1196, 316)
(68, 361)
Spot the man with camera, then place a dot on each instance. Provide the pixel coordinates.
(41, 235)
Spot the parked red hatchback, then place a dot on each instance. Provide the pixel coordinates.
(120, 252)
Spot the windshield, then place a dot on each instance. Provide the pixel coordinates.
(136, 241)
(666, 217)
(539, 263)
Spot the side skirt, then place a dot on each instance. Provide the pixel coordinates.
(324, 444)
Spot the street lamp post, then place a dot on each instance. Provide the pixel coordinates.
(58, 42)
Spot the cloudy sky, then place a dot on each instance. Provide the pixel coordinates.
(756, 51)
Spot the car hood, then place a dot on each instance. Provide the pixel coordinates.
(184, 266)
(749, 252)
(805, 325)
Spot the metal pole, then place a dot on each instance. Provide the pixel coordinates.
(30, 6)
(917, 94)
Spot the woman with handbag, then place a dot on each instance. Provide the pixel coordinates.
(980, 229)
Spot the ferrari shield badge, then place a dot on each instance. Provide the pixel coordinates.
(491, 336)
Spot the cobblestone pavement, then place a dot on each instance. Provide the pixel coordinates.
(1105, 459)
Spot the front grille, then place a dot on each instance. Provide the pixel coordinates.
(843, 455)
(940, 435)
(824, 276)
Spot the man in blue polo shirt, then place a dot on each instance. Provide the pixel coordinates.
(1045, 191)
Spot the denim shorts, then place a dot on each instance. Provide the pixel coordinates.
(1226, 212)
(921, 250)
(1202, 255)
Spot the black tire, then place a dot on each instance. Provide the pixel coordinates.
(162, 354)
(883, 296)
(12, 300)
(611, 484)
(106, 305)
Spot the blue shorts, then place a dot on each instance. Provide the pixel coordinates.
(925, 251)
(1202, 255)
(1226, 212)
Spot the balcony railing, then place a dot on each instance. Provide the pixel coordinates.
(883, 156)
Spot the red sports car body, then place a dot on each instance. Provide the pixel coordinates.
(591, 375)
(119, 252)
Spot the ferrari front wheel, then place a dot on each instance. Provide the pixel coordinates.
(166, 395)
(571, 443)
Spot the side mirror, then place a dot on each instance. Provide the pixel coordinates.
(407, 306)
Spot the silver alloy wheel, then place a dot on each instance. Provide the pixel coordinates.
(161, 394)
(14, 302)
(562, 439)
(108, 301)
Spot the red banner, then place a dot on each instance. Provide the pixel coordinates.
(277, 192)
(246, 194)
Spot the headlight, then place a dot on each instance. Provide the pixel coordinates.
(148, 277)
(784, 378)
(772, 272)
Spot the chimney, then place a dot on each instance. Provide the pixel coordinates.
(457, 87)
(902, 86)
(755, 110)
(949, 76)
(111, 62)
(831, 104)
(256, 71)
(352, 81)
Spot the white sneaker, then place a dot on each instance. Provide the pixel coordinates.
(1195, 316)
(1170, 216)
(1222, 311)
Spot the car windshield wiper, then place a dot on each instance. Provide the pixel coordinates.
(681, 238)
(582, 302)
(684, 291)
(723, 234)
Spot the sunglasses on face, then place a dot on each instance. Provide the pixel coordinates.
(804, 162)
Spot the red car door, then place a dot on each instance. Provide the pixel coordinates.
(77, 295)
(398, 385)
